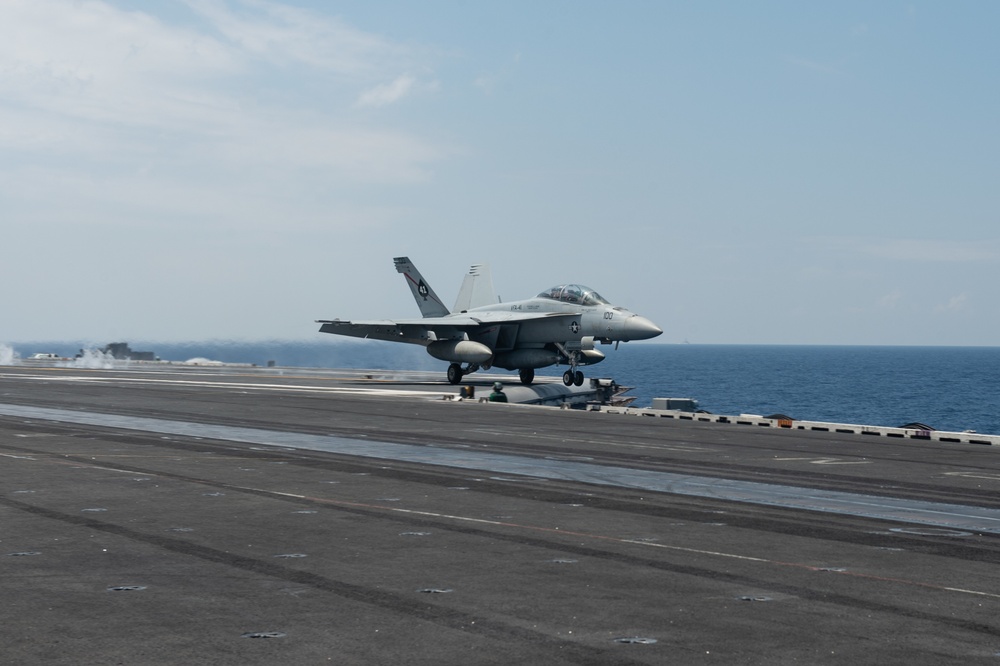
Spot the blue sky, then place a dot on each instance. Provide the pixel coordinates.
(767, 173)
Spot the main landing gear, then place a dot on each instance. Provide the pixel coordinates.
(527, 376)
(455, 372)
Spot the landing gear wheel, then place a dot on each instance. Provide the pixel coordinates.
(568, 378)
(527, 376)
(578, 378)
(455, 373)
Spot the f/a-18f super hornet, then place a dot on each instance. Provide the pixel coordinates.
(559, 325)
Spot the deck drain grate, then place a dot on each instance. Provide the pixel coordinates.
(291, 555)
(24, 553)
(435, 590)
(636, 640)
(264, 634)
(126, 588)
(753, 597)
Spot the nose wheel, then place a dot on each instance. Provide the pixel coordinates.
(527, 376)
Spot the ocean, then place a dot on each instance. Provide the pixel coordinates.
(947, 388)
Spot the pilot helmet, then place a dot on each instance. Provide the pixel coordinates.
(497, 386)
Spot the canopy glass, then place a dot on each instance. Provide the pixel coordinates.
(574, 293)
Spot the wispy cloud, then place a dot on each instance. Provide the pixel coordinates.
(87, 84)
(955, 304)
(90, 61)
(814, 65)
(890, 300)
(487, 82)
(902, 249)
(388, 93)
(282, 33)
(913, 249)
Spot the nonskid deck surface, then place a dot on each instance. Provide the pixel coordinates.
(248, 515)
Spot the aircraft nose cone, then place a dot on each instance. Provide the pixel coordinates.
(640, 328)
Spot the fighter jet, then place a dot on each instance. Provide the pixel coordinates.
(558, 326)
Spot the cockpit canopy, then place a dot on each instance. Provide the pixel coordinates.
(574, 293)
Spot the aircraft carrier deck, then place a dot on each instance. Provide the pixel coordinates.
(169, 515)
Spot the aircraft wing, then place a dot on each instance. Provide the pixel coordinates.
(426, 330)
(411, 331)
(414, 331)
(514, 317)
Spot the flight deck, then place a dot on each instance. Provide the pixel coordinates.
(252, 515)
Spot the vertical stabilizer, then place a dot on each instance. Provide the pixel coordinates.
(477, 289)
(428, 302)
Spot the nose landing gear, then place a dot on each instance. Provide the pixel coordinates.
(573, 376)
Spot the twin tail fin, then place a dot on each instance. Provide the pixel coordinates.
(428, 302)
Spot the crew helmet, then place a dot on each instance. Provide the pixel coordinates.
(497, 386)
